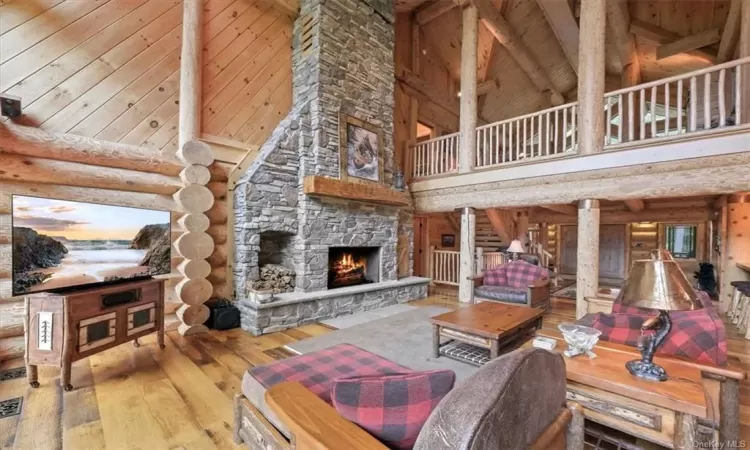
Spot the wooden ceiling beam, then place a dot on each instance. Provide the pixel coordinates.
(506, 36)
(428, 13)
(566, 209)
(413, 83)
(539, 215)
(635, 205)
(499, 221)
(488, 86)
(618, 19)
(564, 25)
(661, 36)
(731, 34)
(692, 42)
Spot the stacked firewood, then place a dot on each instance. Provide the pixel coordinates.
(274, 278)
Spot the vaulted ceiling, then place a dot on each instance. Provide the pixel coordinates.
(547, 28)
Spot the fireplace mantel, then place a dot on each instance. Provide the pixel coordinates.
(317, 186)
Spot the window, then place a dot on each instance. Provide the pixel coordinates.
(680, 240)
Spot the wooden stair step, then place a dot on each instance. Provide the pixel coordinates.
(11, 347)
(11, 319)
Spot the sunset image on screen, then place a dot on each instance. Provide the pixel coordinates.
(59, 244)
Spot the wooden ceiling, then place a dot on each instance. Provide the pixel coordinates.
(650, 23)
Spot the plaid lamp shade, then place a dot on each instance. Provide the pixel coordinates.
(393, 408)
(317, 370)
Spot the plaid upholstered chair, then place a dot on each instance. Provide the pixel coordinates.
(475, 415)
(516, 282)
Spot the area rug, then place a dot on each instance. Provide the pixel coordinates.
(404, 338)
(360, 318)
(570, 291)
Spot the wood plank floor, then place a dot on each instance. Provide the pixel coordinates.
(180, 397)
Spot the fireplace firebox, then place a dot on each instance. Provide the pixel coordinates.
(350, 266)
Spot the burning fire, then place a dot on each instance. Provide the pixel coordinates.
(347, 265)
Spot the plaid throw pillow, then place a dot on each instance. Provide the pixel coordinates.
(393, 408)
(521, 274)
(495, 277)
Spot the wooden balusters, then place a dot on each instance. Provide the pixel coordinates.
(722, 99)
(679, 106)
(693, 104)
(666, 110)
(737, 95)
(707, 101)
(631, 117)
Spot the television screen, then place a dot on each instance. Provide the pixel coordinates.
(60, 244)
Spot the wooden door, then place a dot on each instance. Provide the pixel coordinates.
(420, 246)
(612, 251)
(568, 249)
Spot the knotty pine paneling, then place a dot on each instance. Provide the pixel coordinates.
(109, 69)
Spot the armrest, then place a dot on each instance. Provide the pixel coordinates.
(538, 292)
(478, 280)
(314, 423)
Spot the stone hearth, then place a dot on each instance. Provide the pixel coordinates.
(342, 63)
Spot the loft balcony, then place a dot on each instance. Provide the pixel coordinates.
(682, 135)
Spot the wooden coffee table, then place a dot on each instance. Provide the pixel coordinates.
(487, 325)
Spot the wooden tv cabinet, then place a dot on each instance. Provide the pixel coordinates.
(61, 328)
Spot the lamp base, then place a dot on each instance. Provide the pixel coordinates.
(647, 370)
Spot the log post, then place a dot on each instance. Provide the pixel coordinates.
(468, 115)
(591, 77)
(466, 263)
(431, 263)
(480, 260)
(195, 245)
(587, 270)
(522, 228)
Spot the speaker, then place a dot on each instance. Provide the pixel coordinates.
(223, 316)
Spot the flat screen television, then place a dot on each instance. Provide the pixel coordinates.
(59, 245)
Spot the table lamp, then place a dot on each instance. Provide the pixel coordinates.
(657, 283)
(515, 248)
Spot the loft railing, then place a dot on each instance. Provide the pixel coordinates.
(435, 156)
(444, 266)
(538, 135)
(697, 101)
(700, 101)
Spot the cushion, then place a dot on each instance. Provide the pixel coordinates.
(393, 408)
(316, 370)
(502, 293)
(495, 277)
(521, 274)
(698, 335)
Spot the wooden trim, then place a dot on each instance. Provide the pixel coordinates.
(191, 70)
(97, 319)
(318, 186)
(135, 309)
(147, 326)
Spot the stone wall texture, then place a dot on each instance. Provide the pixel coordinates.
(347, 69)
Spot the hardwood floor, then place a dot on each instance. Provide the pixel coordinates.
(181, 397)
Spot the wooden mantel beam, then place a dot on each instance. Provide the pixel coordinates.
(564, 25)
(507, 37)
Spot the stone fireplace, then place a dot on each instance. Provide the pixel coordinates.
(342, 64)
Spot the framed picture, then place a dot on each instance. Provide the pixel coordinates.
(447, 240)
(361, 150)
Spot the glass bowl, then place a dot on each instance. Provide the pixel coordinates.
(580, 339)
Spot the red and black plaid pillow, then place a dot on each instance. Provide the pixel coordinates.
(393, 408)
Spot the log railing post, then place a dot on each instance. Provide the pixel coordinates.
(468, 112)
(744, 71)
(431, 263)
(466, 271)
(480, 260)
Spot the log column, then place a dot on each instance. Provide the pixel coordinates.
(468, 118)
(590, 140)
(194, 245)
(467, 258)
(587, 270)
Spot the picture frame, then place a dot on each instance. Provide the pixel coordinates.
(448, 240)
(360, 151)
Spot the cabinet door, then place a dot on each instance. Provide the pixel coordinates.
(141, 318)
(96, 331)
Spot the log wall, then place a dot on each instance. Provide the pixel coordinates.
(99, 83)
